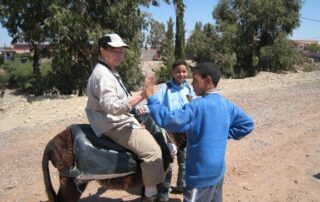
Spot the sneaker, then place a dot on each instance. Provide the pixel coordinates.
(151, 199)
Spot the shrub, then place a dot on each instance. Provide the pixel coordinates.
(20, 74)
(162, 74)
(281, 56)
(308, 68)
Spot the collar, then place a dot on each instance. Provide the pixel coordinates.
(211, 91)
(184, 83)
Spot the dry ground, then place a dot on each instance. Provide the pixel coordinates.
(279, 161)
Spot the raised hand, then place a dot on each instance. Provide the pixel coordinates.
(148, 86)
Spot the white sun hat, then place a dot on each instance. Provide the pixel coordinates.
(113, 40)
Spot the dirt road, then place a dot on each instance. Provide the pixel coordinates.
(279, 161)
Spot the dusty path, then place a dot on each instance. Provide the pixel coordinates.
(279, 161)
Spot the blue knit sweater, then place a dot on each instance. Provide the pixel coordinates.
(209, 122)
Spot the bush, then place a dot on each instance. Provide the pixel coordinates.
(281, 56)
(162, 74)
(20, 74)
(308, 68)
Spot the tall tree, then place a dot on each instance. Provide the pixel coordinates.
(167, 45)
(156, 35)
(180, 31)
(195, 42)
(167, 53)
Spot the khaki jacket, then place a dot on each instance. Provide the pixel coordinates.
(108, 104)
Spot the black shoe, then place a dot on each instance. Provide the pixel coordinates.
(177, 190)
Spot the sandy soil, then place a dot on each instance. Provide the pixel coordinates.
(279, 161)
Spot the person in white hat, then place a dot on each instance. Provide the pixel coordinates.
(108, 107)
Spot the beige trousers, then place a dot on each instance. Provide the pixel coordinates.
(141, 142)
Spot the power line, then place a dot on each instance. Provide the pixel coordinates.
(313, 37)
(315, 20)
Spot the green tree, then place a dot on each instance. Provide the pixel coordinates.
(200, 43)
(157, 31)
(282, 54)
(180, 31)
(205, 44)
(24, 21)
(167, 53)
(196, 43)
(313, 48)
(254, 24)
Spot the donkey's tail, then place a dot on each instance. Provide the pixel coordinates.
(52, 196)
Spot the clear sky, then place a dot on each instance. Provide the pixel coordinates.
(201, 10)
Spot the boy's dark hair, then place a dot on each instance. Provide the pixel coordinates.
(178, 62)
(209, 69)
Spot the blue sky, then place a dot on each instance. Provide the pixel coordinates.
(201, 10)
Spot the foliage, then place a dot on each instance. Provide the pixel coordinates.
(167, 53)
(24, 21)
(180, 31)
(20, 73)
(73, 28)
(205, 44)
(313, 48)
(157, 31)
(282, 54)
(247, 26)
(308, 67)
(163, 74)
(196, 46)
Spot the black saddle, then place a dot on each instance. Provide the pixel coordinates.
(99, 158)
(102, 158)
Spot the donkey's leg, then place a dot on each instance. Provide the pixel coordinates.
(69, 191)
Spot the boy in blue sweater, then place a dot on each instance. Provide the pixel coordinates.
(209, 122)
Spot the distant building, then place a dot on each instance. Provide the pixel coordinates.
(7, 53)
(150, 55)
(302, 44)
(302, 47)
(23, 48)
(26, 48)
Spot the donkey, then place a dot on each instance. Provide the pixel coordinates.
(61, 152)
